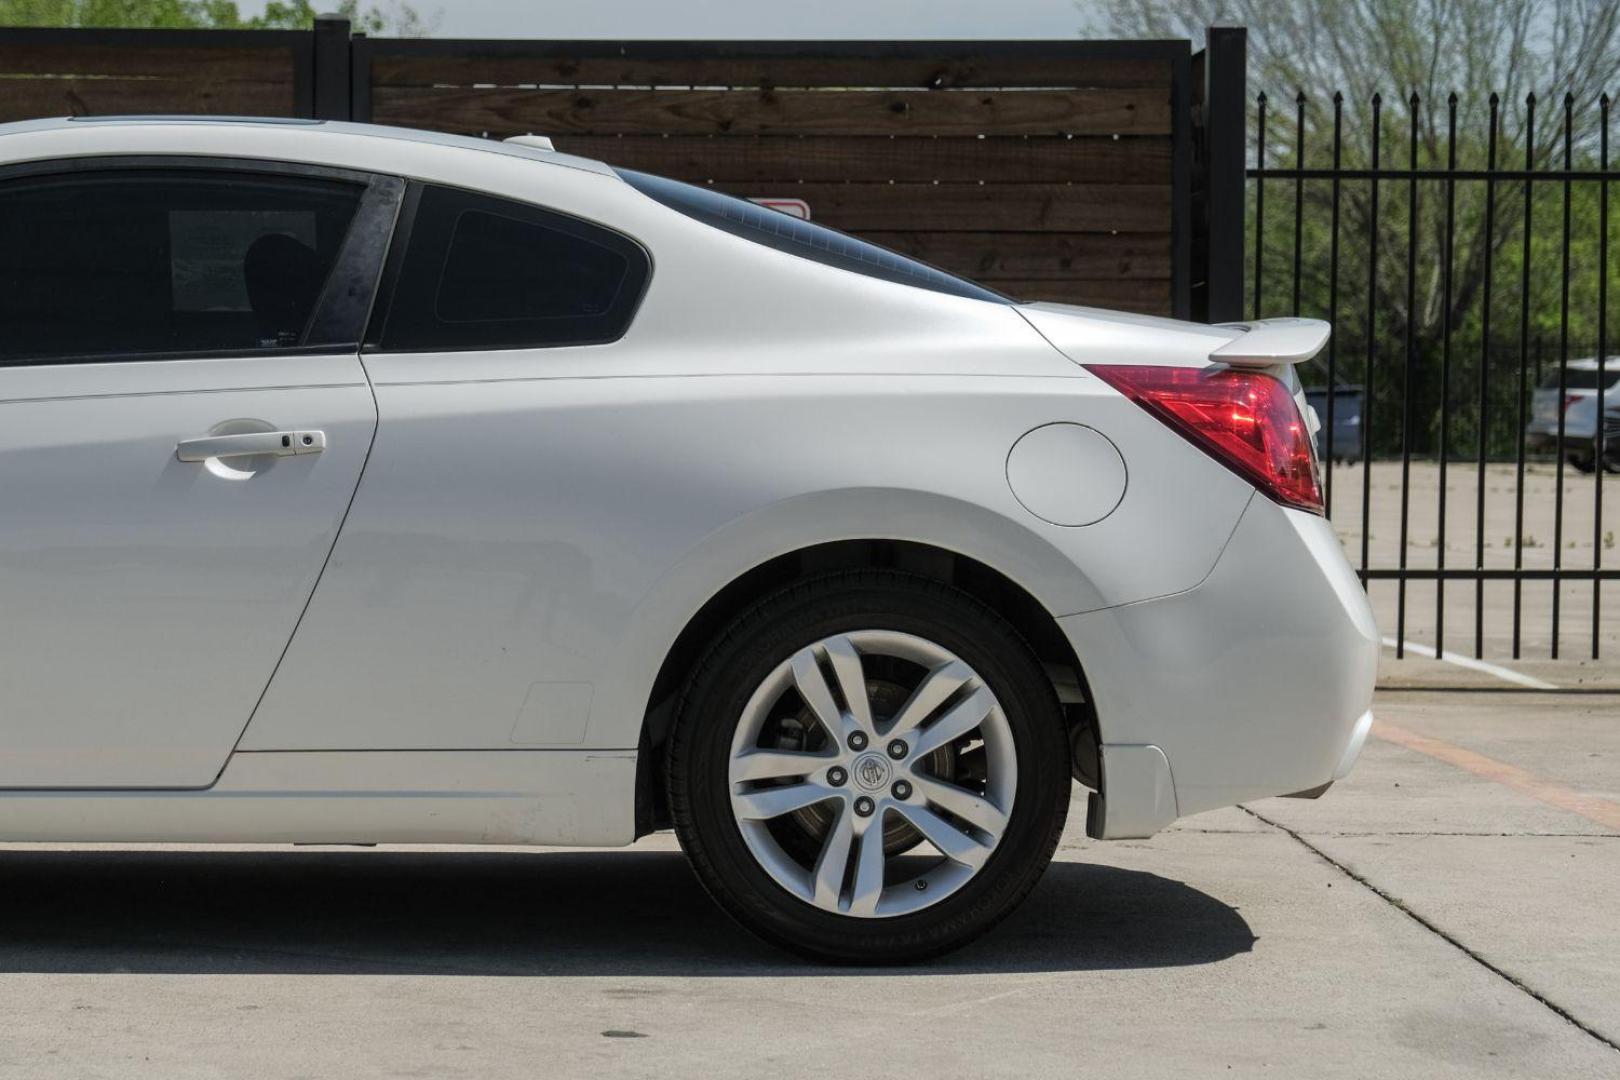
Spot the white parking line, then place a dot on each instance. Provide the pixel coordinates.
(1506, 674)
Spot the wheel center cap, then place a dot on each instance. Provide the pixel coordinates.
(872, 772)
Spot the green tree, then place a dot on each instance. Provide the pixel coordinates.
(394, 17)
(1303, 51)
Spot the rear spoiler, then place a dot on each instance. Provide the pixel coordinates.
(1269, 342)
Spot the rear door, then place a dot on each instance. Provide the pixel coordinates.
(183, 422)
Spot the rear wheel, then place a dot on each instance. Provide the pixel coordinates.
(869, 767)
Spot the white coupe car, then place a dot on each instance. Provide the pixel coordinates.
(374, 486)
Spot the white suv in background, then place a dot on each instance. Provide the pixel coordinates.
(1579, 402)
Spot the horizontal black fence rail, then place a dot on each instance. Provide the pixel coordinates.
(1461, 251)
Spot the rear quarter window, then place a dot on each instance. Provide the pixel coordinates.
(480, 272)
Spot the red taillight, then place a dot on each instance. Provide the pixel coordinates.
(1246, 420)
(1570, 399)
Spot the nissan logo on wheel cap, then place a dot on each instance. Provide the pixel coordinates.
(871, 771)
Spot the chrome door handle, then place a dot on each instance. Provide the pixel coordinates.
(252, 444)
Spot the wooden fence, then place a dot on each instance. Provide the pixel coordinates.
(1048, 170)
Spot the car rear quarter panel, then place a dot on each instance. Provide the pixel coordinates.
(522, 554)
(1251, 684)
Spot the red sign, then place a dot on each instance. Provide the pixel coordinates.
(791, 207)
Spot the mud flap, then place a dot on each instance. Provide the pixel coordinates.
(1138, 796)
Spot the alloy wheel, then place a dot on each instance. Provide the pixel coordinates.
(823, 733)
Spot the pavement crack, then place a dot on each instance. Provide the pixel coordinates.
(1450, 939)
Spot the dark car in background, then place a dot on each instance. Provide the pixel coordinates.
(1346, 443)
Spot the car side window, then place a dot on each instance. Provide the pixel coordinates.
(130, 263)
(481, 272)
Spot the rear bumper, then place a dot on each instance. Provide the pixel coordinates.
(1543, 442)
(1352, 749)
(1256, 682)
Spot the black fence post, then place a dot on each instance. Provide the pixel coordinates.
(1182, 223)
(360, 76)
(1226, 117)
(331, 68)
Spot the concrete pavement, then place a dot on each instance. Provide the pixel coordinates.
(1421, 920)
(1581, 541)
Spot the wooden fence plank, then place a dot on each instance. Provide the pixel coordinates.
(551, 68)
(1126, 208)
(994, 257)
(24, 99)
(269, 64)
(753, 112)
(830, 158)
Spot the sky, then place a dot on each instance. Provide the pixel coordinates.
(749, 19)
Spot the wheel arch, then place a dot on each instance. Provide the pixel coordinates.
(990, 586)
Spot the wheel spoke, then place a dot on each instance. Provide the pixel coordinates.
(813, 688)
(868, 871)
(958, 721)
(952, 842)
(776, 764)
(767, 803)
(935, 689)
(851, 676)
(977, 811)
(833, 861)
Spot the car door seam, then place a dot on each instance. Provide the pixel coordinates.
(376, 423)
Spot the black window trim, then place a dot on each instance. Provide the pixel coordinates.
(389, 283)
(358, 262)
(936, 280)
(388, 280)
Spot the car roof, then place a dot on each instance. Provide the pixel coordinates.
(315, 129)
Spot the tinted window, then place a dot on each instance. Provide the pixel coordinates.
(140, 262)
(802, 238)
(485, 273)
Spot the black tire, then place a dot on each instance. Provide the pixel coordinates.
(745, 654)
(1583, 464)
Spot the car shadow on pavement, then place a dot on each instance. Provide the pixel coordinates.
(513, 913)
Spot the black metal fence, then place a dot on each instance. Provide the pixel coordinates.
(1457, 265)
